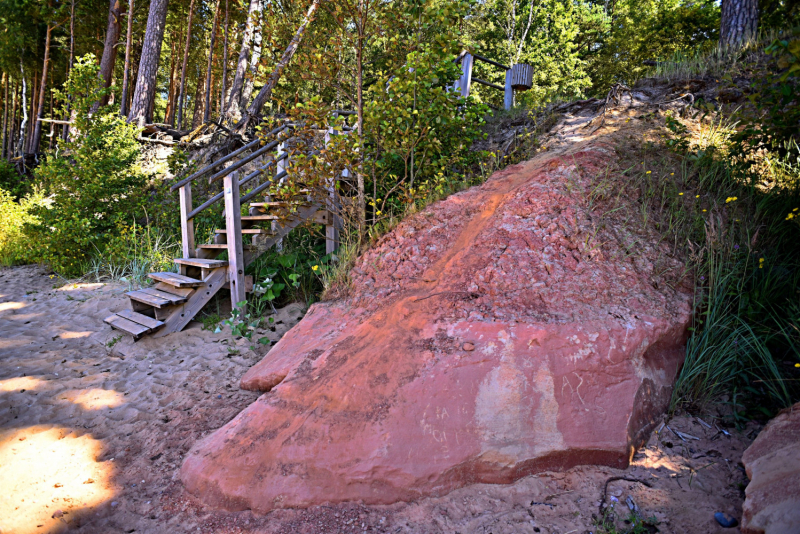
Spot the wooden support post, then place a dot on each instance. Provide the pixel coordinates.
(187, 225)
(279, 168)
(508, 101)
(233, 225)
(466, 75)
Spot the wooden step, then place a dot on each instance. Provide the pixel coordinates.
(279, 203)
(255, 218)
(222, 246)
(121, 321)
(202, 263)
(174, 299)
(143, 320)
(147, 298)
(257, 231)
(175, 279)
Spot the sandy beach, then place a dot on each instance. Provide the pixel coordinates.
(93, 429)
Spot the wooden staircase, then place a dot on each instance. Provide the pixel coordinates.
(176, 298)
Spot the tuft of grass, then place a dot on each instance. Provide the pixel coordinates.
(713, 59)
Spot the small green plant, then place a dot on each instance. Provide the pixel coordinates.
(114, 340)
(210, 321)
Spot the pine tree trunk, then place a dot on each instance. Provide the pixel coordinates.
(182, 93)
(110, 47)
(197, 116)
(14, 106)
(232, 109)
(123, 105)
(207, 104)
(169, 113)
(224, 63)
(266, 92)
(255, 58)
(37, 128)
(24, 110)
(739, 23)
(32, 113)
(144, 94)
(5, 114)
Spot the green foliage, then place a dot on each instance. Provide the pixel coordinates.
(773, 124)
(93, 180)
(746, 258)
(12, 181)
(15, 216)
(419, 132)
(550, 35)
(648, 30)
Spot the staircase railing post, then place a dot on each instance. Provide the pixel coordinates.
(279, 168)
(233, 226)
(508, 100)
(187, 225)
(466, 75)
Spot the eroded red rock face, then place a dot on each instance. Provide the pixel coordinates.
(772, 462)
(506, 330)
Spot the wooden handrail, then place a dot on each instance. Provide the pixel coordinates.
(244, 161)
(261, 187)
(225, 159)
(216, 198)
(488, 84)
(487, 60)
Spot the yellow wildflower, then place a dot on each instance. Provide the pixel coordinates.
(731, 199)
(648, 172)
(315, 268)
(680, 194)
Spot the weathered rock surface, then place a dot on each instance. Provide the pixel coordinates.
(512, 328)
(772, 462)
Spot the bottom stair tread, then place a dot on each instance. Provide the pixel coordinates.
(133, 323)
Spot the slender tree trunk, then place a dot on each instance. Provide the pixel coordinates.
(207, 104)
(266, 92)
(24, 122)
(249, 81)
(739, 22)
(52, 125)
(182, 94)
(14, 106)
(5, 114)
(144, 94)
(37, 128)
(169, 113)
(224, 63)
(110, 48)
(65, 131)
(127, 68)
(362, 202)
(197, 117)
(31, 124)
(232, 109)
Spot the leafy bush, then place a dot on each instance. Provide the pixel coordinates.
(15, 216)
(12, 181)
(94, 180)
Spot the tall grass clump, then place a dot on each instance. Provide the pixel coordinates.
(743, 236)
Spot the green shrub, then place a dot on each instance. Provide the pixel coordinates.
(15, 246)
(94, 180)
(12, 181)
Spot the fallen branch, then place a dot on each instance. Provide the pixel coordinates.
(157, 141)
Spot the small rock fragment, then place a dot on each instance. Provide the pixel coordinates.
(89, 481)
(468, 346)
(57, 514)
(725, 520)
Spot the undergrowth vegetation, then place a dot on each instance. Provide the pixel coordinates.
(733, 212)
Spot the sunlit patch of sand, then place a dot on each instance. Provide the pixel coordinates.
(94, 399)
(20, 382)
(13, 305)
(74, 335)
(45, 471)
(80, 286)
